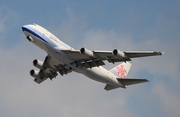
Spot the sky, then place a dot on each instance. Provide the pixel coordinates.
(97, 25)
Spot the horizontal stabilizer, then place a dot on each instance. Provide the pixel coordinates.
(109, 87)
(126, 82)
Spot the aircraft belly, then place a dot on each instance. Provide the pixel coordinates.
(59, 56)
(39, 43)
(102, 75)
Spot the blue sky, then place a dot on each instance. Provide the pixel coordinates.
(96, 24)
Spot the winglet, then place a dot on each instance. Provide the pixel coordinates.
(161, 53)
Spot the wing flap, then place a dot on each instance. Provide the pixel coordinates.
(92, 63)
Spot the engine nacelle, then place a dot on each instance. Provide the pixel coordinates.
(38, 64)
(87, 52)
(37, 74)
(119, 53)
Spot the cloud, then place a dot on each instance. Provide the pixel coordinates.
(109, 40)
(75, 94)
(168, 98)
(70, 95)
(164, 69)
(6, 18)
(71, 28)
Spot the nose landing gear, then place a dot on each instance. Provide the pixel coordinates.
(30, 38)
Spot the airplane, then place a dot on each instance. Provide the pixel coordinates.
(64, 59)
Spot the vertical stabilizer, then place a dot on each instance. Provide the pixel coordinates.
(121, 71)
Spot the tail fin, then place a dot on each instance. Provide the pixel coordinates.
(121, 71)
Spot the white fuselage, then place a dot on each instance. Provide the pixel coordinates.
(53, 46)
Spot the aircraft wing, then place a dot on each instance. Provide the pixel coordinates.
(49, 69)
(95, 58)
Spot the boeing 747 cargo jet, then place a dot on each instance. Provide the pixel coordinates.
(64, 59)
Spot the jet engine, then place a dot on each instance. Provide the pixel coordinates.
(119, 53)
(87, 52)
(38, 64)
(37, 74)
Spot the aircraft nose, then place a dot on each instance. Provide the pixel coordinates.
(27, 27)
(24, 28)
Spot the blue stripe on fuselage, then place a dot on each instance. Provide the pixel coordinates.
(38, 35)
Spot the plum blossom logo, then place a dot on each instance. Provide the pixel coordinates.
(121, 71)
